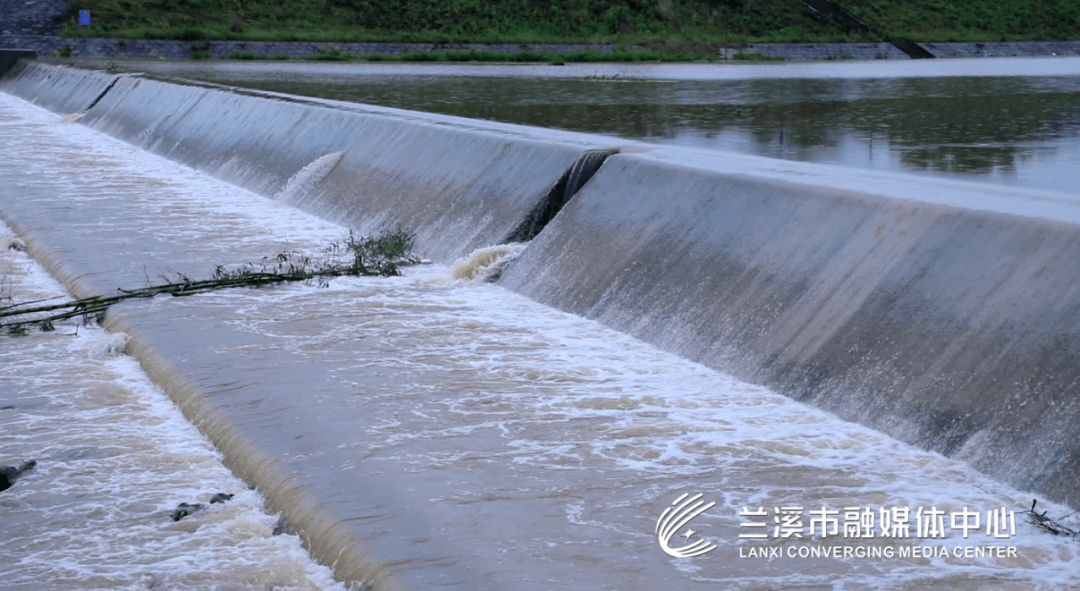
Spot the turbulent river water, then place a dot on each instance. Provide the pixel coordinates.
(472, 438)
(115, 458)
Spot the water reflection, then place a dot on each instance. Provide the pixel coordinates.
(1007, 129)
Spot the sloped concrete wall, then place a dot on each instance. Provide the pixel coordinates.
(57, 88)
(459, 184)
(946, 314)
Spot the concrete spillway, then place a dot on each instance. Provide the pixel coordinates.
(943, 313)
(460, 184)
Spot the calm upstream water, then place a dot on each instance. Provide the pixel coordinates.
(1006, 121)
(471, 438)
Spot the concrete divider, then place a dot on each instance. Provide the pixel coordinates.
(944, 313)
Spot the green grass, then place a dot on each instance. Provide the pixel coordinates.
(331, 55)
(986, 20)
(693, 27)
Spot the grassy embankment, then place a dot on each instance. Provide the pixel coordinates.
(662, 29)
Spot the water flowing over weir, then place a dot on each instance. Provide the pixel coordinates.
(114, 459)
(458, 185)
(422, 431)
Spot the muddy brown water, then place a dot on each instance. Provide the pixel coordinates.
(467, 437)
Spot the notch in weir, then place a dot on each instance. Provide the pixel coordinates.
(571, 182)
(103, 93)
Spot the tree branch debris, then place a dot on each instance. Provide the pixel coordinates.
(352, 256)
(1041, 521)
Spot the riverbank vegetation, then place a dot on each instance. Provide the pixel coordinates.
(689, 26)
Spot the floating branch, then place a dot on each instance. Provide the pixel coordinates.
(351, 256)
(1041, 521)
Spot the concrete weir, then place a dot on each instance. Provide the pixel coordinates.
(944, 313)
(458, 184)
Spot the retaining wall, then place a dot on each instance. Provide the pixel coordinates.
(153, 48)
(829, 51)
(172, 49)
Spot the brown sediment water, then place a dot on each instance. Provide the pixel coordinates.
(456, 434)
(115, 458)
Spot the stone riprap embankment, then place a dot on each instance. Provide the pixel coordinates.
(829, 51)
(869, 51)
(150, 48)
(144, 48)
(1004, 49)
(29, 17)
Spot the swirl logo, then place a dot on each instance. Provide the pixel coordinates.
(680, 513)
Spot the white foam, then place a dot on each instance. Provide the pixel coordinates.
(486, 264)
(308, 177)
(12, 243)
(115, 456)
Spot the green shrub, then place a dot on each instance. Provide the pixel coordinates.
(430, 56)
(331, 55)
(187, 34)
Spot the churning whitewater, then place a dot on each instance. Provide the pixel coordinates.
(115, 458)
(463, 436)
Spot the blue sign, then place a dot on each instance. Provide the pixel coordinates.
(84, 18)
